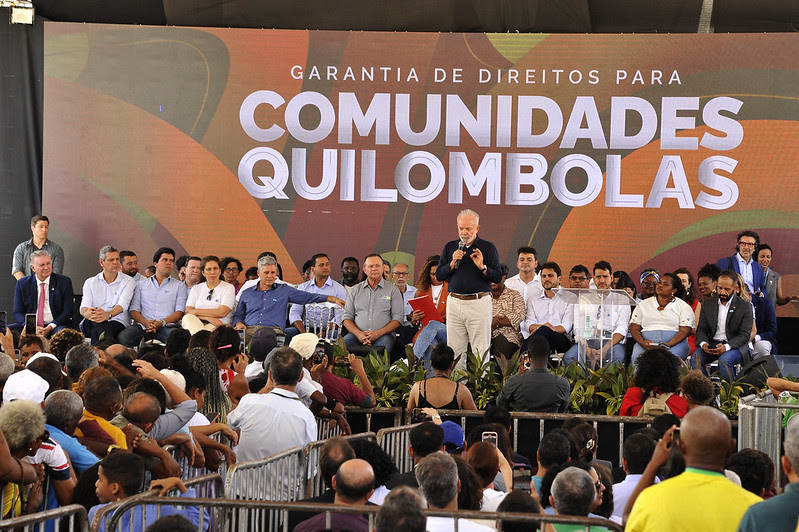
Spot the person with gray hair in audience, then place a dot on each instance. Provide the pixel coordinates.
(573, 492)
(63, 410)
(402, 509)
(80, 358)
(437, 475)
(780, 512)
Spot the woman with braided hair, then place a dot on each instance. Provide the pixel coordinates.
(216, 400)
(226, 346)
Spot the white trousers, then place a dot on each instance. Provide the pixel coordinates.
(469, 321)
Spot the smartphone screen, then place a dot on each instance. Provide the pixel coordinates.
(241, 341)
(212, 416)
(30, 323)
(522, 475)
(490, 437)
(2, 321)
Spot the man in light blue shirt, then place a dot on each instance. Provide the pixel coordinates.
(319, 283)
(158, 302)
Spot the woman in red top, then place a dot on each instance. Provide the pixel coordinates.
(658, 371)
(435, 332)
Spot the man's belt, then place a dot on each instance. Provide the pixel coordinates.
(469, 297)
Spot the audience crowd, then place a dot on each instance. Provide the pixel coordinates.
(225, 368)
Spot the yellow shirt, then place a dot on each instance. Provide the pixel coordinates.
(695, 500)
(114, 432)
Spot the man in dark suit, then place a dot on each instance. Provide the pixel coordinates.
(46, 294)
(725, 325)
(745, 262)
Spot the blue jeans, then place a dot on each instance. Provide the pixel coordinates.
(727, 362)
(681, 350)
(132, 335)
(387, 341)
(434, 333)
(616, 352)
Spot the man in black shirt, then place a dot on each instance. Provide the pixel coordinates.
(470, 264)
(535, 389)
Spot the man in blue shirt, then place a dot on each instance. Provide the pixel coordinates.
(266, 303)
(470, 264)
(319, 283)
(158, 302)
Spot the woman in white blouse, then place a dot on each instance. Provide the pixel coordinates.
(210, 304)
(663, 320)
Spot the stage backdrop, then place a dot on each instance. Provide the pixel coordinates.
(644, 150)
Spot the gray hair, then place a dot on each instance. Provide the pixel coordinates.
(106, 250)
(80, 358)
(468, 212)
(402, 509)
(21, 421)
(792, 446)
(437, 475)
(63, 407)
(6, 367)
(573, 492)
(40, 253)
(266, 260)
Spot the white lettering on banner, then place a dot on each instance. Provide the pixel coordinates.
(515, 122)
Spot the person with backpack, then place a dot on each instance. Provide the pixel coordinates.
(655, 386)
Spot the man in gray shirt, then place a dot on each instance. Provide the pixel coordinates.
(374, 308)
(535, 389)
(40, 227)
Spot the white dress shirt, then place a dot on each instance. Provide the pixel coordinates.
(540, 309)
(100, 294)
(525, 289)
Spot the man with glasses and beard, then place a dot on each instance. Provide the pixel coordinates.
(725, 324)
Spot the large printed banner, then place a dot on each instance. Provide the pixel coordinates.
(644, 150)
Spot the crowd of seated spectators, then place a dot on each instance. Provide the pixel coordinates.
(228, 367)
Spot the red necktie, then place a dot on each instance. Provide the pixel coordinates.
(40, 308)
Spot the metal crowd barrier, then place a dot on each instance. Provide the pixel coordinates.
(189, 471)
(278, 477)
(315, 483)
(760, 424)
(72, 518)
(325, 431)
(205, 487)
(395, 441)
(273, 516)
(527, 429)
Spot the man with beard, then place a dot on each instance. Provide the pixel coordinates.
(745, 263)
(350, 268)
(548, 314)
(725, 323)
(319, 283)
(130, 264)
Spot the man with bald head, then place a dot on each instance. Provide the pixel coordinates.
(354, 483)
(701, 498)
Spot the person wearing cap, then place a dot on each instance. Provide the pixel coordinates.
(26, 386)
(263, 342)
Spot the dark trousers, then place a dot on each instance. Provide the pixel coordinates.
(110, 328)
(558, 342)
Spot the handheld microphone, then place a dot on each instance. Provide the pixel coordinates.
(461, 246)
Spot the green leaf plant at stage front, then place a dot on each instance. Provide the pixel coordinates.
(614, 381)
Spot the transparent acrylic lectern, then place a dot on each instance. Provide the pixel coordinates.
(597, 313)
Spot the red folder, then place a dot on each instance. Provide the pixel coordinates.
(425, 304)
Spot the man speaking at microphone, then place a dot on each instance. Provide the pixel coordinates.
(470, 264)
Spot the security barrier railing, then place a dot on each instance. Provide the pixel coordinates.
(315, 483)
(278, 477)
(395, 442)
(760, 423)
(72, 518)
(273, 516)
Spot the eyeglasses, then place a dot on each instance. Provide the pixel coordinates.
(402, 274)
(747, 244)
(210, 294)
(650, 283)
(231, 270)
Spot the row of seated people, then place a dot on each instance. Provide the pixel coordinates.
(129, 308)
